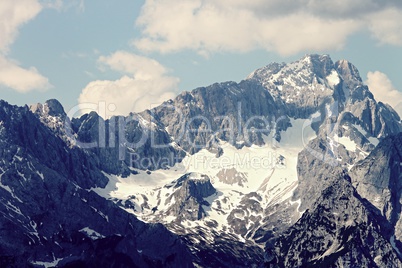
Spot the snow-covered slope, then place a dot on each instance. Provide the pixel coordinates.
(267, 172)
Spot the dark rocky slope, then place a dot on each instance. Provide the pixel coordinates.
(50, 214)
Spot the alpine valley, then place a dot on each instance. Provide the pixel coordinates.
(296, 166)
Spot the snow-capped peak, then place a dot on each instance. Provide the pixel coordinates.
(304, 84)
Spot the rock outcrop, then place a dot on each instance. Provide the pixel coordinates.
(188, 200)
(341, 230)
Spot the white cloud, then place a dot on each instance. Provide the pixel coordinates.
(386, 26)
(63, 5)
(383, 89)
(14, 14)
(285, 26)
(20, 79)
(138, 66)
(145, 83)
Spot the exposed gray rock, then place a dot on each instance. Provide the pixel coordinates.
(51, 107)
(49, 211)
(316, 169)
(339, 231)
(350, 75)
(246, 214)
(232, 176)
(229, 111)
(378, 119)
(52, 115)
(355, 116)
(301, 86)
(188, 199)
(378, 179)
(121, 142)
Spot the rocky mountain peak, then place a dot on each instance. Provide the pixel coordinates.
(353, 84)
(347, 70)
(313, 71)
(52, 115)
(55, 108)
(302, 85)
(321, 65)
(51, 107)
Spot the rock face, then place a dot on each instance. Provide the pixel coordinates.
(247, 213)
(301, 86)
(136, 141)
(352, 125)
(378, 179)
(50, 214)
(51, 107)
(52, 115)
(339, 231)
(228, 111)
(316, 171)
(188, 199)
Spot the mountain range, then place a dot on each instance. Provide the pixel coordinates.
(298, 165)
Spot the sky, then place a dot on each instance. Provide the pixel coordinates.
(132, 55)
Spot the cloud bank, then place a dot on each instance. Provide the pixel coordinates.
(144, 84)
(383, 89)
(20, 79)
(283, 26)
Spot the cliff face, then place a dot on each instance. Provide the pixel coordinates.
(51, 215)
(187, 201)
(228, 111)
(378, 179)
(339, 231)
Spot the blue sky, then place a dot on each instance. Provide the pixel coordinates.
(134, 54)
